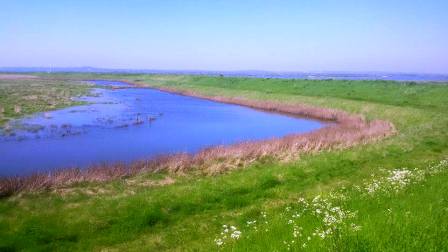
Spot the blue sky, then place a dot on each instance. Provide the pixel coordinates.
(301, 35)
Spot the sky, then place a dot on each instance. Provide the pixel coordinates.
(300, 35)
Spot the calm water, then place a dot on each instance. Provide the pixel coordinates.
(133, 123)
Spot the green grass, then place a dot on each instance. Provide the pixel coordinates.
(189, 214)
(408, 218)
(34, 95)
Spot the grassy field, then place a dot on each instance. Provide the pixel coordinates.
(19, 97)
(389, 195)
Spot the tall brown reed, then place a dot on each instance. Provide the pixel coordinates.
(343, 131)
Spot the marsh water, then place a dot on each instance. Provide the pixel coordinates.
(121, 123)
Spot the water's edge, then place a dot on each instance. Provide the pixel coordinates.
(348, 130)
(39, 119)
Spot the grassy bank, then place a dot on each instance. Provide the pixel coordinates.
(19, 97)
(344, 131)
(187, 212)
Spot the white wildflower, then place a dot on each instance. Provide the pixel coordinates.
(235, 235)
(355, 227)
(219, 242)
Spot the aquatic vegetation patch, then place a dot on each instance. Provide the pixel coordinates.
(22, 95)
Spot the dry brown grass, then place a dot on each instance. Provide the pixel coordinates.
(345, 131)
(17, 76)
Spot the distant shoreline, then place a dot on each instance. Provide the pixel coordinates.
(324, 75)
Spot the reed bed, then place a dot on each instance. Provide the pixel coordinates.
(344, 130)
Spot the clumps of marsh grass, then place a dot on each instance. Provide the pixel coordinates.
(17, 76)
(345, 130)
(23, 95)
(64, 177)
(17, 109)
(324, 219)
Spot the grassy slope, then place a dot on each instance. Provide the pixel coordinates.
(34, 95)
(188, 214)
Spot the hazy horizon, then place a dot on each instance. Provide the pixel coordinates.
(318, 36)
(93, 68)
